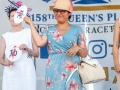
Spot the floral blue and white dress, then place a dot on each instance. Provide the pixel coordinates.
(59, 66)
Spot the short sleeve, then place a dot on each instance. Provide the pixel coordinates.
(81, 36)
(45, 31)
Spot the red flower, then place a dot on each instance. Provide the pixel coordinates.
(53, 32)
(73, 85)
(48, 83)
(63, 75)
(59, 50)
(49, 47)
(29, 9)
(70, 66)
(19, 3)
(57, 36)
(83, 38)
(48, 62)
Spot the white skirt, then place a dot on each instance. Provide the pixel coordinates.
(19, 77)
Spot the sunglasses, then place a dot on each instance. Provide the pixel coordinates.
(60, 11)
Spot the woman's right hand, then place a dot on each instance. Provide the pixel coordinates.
(28, 20)
(8, 63)
(117, 68)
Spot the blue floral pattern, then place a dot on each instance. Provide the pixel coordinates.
(59, 66)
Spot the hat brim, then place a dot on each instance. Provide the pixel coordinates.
(60, 8)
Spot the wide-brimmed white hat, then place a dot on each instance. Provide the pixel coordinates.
(64, 4)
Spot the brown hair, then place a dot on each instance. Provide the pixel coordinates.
(11, 10)
(69, 17)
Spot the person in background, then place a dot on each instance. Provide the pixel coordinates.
(22, 76)
(116, 50)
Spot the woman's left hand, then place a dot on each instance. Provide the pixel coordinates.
(23, 47)
(72, 51)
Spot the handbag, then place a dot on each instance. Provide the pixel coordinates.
(90, 71)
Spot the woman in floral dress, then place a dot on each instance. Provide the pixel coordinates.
(66, 43)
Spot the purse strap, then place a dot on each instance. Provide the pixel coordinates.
(71, 76)
(90, 57)
(76, 69)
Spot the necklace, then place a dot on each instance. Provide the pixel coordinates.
(62, 27)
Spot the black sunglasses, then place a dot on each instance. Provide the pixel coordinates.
(60, 11)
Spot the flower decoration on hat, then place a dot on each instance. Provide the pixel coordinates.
(15, 5)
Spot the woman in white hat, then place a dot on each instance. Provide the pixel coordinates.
(66, 43)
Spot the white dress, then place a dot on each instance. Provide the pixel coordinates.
(22, 76)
